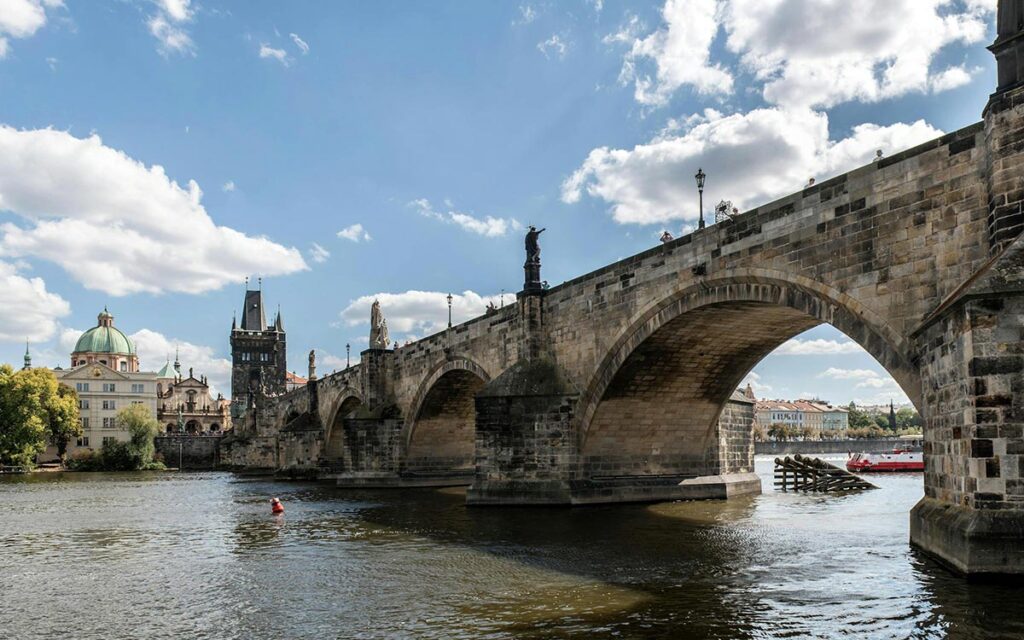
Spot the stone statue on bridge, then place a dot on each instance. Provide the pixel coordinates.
(532, 283)
(379, 338)
(532, 244)
(312, 365)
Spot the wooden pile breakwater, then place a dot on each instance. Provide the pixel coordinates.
(801, 473)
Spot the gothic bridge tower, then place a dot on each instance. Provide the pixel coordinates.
(259, 360)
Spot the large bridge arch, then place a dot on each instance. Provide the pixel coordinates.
(439, 432)
(652, 405)
(349, 400)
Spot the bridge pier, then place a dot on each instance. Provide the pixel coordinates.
(528, 450)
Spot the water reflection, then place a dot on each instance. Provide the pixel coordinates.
(200, 555)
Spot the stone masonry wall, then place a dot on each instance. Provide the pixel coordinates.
(189, 452)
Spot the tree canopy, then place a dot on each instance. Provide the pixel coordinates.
(34, 409)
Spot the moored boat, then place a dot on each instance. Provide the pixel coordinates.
(896, 460)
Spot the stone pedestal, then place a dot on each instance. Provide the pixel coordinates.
(977, 543)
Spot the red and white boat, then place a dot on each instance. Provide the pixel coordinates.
(898, 460)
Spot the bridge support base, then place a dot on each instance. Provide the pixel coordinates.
(977, 543)
(398, 481)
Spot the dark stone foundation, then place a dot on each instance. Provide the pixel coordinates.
(977, 543)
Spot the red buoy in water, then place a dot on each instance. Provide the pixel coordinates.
(275, 506)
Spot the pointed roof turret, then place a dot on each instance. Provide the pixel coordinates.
(28, 357)
(253, 317)
(279, 323)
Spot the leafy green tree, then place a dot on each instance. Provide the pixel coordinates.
(63, 419)
(34, 407)
(858, 419)
(808, 432)
(22, 423)
(779, 431)
(137, 452)
(882, 422)
(760, 433)
(907, 418)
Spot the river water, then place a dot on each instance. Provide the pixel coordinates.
(198, 555)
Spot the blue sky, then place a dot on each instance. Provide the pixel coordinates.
(349, 150)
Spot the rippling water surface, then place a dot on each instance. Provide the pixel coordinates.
(199, 555)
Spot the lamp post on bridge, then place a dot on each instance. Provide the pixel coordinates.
(449, 311)
(700, 190)
(348, 355)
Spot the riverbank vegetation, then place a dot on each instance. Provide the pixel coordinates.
(135, 454)
(862, 425)
(35, 410)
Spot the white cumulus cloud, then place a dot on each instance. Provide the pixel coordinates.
(29, 311)
(680, 52)
(355, 233)
(488, 226)
(167, 25)
(154, 349)
(749, 158)
(417, 313)
(837, 373)
(116, 225)
(816, 347)
(22, 18)
(228, 186)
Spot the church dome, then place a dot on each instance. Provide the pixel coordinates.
(167, 371)
(105, 338)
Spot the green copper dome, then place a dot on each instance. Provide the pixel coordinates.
(105, 338)
(167, 371)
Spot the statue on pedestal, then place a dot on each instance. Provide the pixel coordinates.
(532, 283)
(312, 365)
(379, 338)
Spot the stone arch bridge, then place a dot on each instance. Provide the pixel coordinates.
(619, 385)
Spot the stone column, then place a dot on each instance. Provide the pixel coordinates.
(972, 515)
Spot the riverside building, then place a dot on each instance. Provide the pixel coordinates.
(105, 374)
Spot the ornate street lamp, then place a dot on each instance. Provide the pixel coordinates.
(348, 355)
(449, 311)
(700, 189)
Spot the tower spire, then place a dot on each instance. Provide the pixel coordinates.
(28, 356)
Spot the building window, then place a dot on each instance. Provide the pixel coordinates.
(83, 403)
(103, 362)
(124, 366)
(107, 439)
(108, 423)
(81, 386)
(108, 386)
(85, 423)
(138, 388)
(109, 404)
(135, 402)
(83, 441)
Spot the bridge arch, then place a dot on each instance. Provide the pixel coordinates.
(349, 401)
(654, 400)
(439, 433)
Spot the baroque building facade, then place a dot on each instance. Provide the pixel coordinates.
(185, 404)
(105, 374)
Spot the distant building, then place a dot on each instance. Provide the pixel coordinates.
(185, 404)
(258, 352)
(105, 374)
(799, 414)
(293, 381)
